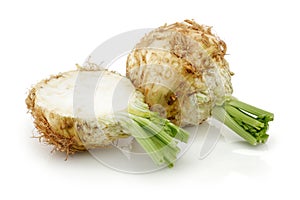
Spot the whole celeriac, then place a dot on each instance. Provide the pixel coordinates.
(86, 109)
(181, 70)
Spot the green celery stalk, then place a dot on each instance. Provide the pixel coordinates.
(156, 135)
(248, 121)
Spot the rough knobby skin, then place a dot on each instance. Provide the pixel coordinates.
(61, 142)
(201, 76)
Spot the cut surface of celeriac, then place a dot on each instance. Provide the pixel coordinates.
(80, 110)
(106, 86)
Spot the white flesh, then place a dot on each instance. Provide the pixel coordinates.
(110, 93)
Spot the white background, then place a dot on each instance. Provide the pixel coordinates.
(39, 38)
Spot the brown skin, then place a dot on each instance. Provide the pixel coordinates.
(193, 54)
(62, 141)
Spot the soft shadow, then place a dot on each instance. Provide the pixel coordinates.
(221, 156)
